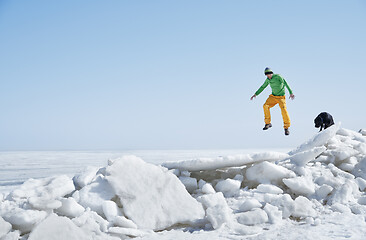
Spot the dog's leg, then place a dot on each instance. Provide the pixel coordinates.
(321, 127)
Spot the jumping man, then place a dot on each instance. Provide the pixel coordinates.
(278, 85)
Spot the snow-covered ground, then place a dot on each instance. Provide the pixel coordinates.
(316, 190)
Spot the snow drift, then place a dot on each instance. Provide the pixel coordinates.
(241, 193)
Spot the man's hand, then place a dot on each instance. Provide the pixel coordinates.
(292, 97)
(253, 97)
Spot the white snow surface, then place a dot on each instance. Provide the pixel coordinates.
(151, 197)
(316, 190)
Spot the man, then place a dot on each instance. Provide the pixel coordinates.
(278, 85)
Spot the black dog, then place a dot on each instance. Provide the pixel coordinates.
(323, 120)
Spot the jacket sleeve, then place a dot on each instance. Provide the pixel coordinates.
(288, 87)
(265, 84)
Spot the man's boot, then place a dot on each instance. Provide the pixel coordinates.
(287, 132)
(267, 126)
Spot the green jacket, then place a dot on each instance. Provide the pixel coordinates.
(277, 84)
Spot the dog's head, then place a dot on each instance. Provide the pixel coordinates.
(318, 121)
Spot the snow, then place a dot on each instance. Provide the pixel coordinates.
(318, 140)
(151, 197)
(70, 208)
(5, 227)
(300, 185)
(218, 212)
(43, 194)
(57, 228)
(363, 131)
(269, 188)
(302, 158)
(201, 164)
(303, 208)
(273, 213)
(123, 222)
(228, 186)
(95, 194)
(250, 204)
(253, 217)
(207, 189)
(266, 195)
(190, 183)
(267, 172)
(85, 177)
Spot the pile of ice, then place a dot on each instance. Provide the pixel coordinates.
(242, 193)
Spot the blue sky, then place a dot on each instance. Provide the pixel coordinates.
(114, 75)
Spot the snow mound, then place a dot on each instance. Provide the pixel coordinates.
(151, 197)
(242, 194)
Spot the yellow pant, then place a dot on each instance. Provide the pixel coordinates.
(271, 102)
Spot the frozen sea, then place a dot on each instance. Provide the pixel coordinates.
(314, 191)
(18, 166)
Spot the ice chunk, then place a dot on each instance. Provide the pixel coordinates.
(208, 189)
(91, 222)
(361, 148)
(189, 183)
(269, 188)
(57, 228)
(361, 183)
(218, 212)
(346, 167)
(302, 158)
(343, 195)
(285, 204)
(274, 214)
(300, 185)
(5, 227)
(329, 180)
(22, 219)
(353, 134)
(111, 210)
(360, 169)
(358, 209)
(269, 156)
(152, 198)
(129, 232)
(250, 204)
(339, 173)
(11, 236)
(185, 174)
(94, 195)
(228, 186)
(342, 154)
(219, 215)
(267, 172)
(254, 217)
(323, 191)
(337, 207)
(85, 177)
(43, 193)
(363, 131)
(122, 221)
(44, 204)
(70, 208)
(303, 208)
(201, 164)
(319, 139)
(362, 200)
(201, 183)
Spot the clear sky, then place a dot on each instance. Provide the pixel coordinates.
(114, 75)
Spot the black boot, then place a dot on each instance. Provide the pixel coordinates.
(287, 132)
(267, 126)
